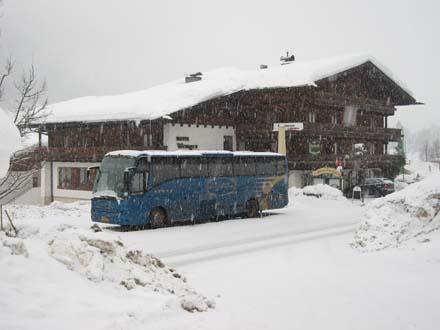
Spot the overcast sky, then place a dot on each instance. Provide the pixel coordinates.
(97, 47)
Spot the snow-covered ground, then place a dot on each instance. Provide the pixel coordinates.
(291, 269)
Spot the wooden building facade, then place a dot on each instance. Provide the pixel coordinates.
(342, 111)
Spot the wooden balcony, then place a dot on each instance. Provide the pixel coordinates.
(79, 154)
(308, 161)
(355, 132)
(369, 105)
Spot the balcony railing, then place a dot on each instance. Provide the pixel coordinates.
(354, 132)
(308, 161)
(80, 154)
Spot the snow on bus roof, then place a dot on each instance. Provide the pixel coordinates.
(138, 153)
(162, 100)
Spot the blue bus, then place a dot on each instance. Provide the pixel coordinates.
(158, 188)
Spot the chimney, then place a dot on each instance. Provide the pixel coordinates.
(287, 59)
(193, 77)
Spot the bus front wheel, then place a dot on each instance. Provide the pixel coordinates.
(158, 218)
(252, 209)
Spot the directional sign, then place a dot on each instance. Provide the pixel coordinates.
(288, 126)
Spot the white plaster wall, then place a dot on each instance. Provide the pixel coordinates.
(45, 183)
(30, 197)
(206, 138)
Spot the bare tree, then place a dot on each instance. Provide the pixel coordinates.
(31, 102)
(30, 108)
(6, 72)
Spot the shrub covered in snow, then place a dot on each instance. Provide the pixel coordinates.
(400, 216)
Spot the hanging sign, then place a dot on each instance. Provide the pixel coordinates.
(328, 171)
(288, 126)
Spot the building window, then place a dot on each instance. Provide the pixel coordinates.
(147, 140)
(35, 181)
(75, 178)
(334, 119)
(228, 143)
(350, 113)
(312, 117)
(314, 147)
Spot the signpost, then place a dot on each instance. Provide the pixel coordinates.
(281, 128)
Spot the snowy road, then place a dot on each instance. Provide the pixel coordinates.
(185, 245)
(248, 245)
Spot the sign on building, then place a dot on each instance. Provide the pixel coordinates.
(288, 126)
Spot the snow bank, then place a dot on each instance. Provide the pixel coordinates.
(323, 191)
(162, 100)
(9, 142)
(100, 258)
(400, 216)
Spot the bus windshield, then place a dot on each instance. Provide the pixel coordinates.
(110, 179)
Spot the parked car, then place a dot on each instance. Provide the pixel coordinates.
(378, 187)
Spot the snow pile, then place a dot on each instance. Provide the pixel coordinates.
(400, 216)
(99, 257)
(162, 100)
(323, 191)
(9, 142)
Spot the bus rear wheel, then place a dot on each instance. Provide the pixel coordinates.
(252, 209)
(158, 218)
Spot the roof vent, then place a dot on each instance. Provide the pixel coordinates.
(263, 66)
(193, 77)
(287, 59)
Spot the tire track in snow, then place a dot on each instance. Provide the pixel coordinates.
(248, 245)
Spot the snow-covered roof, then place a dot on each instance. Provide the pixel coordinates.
(138, 153)
(165, 99)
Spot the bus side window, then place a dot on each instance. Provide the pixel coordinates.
(238, 166)
(164, 169)
(190, 167)
(142, 165)
(138, 182)
(219, 166)
(263, 167)
(281, 163)
(244, 166)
